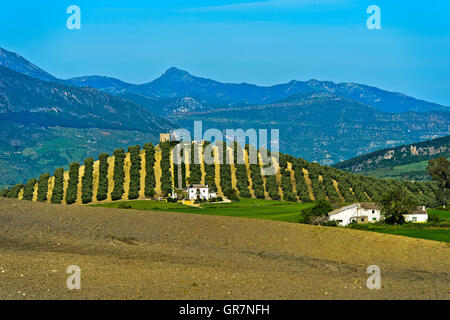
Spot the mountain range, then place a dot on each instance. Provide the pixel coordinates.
(326, 128)
(69, 119)
(176, 83)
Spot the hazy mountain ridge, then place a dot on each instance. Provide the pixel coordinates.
(27, 99)
(47, 125)
(106, 84)
(166, 106)
(176, 83)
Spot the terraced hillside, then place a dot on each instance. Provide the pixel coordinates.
(149, 172)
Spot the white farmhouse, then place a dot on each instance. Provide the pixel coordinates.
(200, 191)
(368, 213)
(356, 212)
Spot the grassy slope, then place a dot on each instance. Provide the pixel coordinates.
(286, 211)
(414, 230)
(402, 162)
(400, 172)
(409, 230)
(245, 208)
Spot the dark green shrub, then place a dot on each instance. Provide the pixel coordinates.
(195, 168)
(119, 175)
(255, 175)
(232, 195)
(242, 182)
(15, 190)
(318, 214)
(272, 187)
(43, 187)
(87, 181)
(102, 190)
(210, 169)
(58, 188)
(28, 191)
(150, 181)
(433, 218)
(394, 204)
(72, 186)
(225, 170)
(135, 172)
(166, 176)
(4, 192)
(175, 174)
(330, 223)
(123, 205)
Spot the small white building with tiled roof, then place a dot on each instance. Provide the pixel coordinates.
(368, 212)
(418, 215)
(200, 191)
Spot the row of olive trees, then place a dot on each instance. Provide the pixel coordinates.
(326, 183)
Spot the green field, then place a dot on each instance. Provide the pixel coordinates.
(289, 212)
(414, 230)
(443, 214)
(245, 208)
(415, 170)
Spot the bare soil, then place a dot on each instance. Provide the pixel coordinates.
(128, 254)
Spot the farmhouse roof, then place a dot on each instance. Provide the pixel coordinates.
(364, 205)
(342, 209)
(369, 206)
(420, 210)
(198, 186)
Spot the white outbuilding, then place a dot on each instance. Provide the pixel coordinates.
(418, 215)
(369, 212)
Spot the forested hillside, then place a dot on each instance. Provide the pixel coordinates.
(148, 172)
(46, 125)
(325, 128)
(402, 162)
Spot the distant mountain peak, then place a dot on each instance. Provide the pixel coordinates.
(175, 72)
(19, 64)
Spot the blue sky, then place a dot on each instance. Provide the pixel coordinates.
(261, 42)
